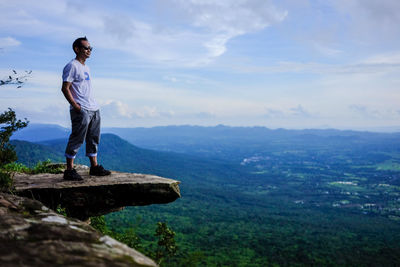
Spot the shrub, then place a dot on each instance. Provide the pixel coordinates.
(9, 124)
(47, 167)
(6, 181)
(15, 167)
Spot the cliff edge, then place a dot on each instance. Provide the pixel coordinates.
(95, 195)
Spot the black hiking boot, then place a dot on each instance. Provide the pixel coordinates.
(72, 175)
(98, 170)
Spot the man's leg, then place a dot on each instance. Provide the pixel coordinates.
(92, 142)
(70, 163)
(93, 161)
(93, 137)
(70, 173)
(80, 123)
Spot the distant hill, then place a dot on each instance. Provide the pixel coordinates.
(235, 143)
(227, 143)
(30, 153)
(40, 132)
(118, 154)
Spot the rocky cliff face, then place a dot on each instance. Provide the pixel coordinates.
(31, 234)
(94, 195)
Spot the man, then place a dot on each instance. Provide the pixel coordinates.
(84, 111)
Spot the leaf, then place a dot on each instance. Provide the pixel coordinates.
(14, 71)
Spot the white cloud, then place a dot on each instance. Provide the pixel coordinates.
(295, 112)
(382, 59)
(197, 41)
(228, 19)
(274, 113)
(372, 112)
(6, 42)
(121, 27)
(326, 50)
(231, 17)
(371, 20)
(299, 111)
(357, 77)
(115, 109)
(381, 12)
(119, 110)
(342, 28)
(171, 78)
(385, 63)
(130, 102)
(27, 18)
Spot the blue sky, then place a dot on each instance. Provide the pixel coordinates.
(288, 63)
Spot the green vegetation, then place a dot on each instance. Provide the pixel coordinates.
(15, 167)
(61, 210)
(315, 204)
(166, 247)
(47, 167)
(128, 236)
(8, 156)
(40, 167)
(388, 165)
(6, 181)
(301, 200)
(9, 125)
(99, 223)
(7, 171)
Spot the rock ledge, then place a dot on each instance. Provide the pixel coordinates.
(94, 195)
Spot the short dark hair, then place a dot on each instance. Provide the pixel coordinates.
(78, 42)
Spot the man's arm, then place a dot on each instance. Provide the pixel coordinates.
(67, 93)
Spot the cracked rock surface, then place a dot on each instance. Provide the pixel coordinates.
(34, 235)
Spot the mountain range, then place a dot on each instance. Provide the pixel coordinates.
(254, 196)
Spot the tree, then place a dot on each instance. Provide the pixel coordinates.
(166, 245)
(9, 124)
(8, 121)
(16, 79)
(128, 237)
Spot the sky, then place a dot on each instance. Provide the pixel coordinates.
(291, 64)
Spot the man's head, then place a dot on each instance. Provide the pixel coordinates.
(81, 47)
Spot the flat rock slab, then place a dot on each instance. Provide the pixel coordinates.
(33, 235)
(96, 195)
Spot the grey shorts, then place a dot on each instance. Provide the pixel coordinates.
(85, 127)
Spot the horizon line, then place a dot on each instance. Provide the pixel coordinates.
(375, 129)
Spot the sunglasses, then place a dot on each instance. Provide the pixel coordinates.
(90, 48)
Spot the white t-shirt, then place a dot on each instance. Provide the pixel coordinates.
(81, 89)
